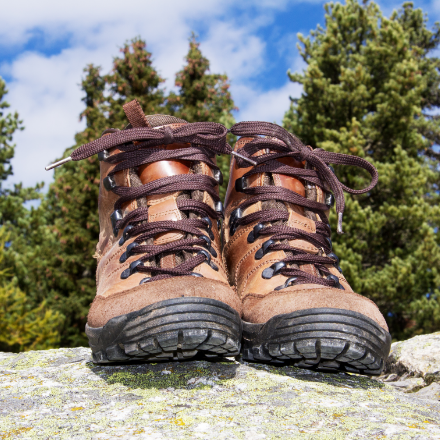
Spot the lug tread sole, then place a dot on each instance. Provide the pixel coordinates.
(322, 339)
(176, 329)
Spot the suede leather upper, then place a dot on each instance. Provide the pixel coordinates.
(116, 296)
(260, 301)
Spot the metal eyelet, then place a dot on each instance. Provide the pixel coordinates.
(208, 245)
(208, 220)
(103, 155)
(127, 252)
(263, 250)
(206, 254)
(235, 215)
(240, 184)
(115, 217)
(334, 278)
(208, 259)
(144, 280)
(335, 259)
(253, 235)
(195, 274)
(275, 269)
(213, 266)
(219, 207)
(131, 269)
(124, 237)
(109, 183)
(329, 200)
(329, 241)
(287, 283)
(207, 239)
(209, 228)
(331, 169)
(218, 175)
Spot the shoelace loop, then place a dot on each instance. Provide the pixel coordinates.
(318, 159)
(141, 146)
(278, 143)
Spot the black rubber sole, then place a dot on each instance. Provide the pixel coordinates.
(322, 339)
(174, 329)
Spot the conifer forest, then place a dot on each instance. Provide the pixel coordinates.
(371, 87)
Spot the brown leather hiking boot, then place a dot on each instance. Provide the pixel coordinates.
(297, 305)
(162, 289)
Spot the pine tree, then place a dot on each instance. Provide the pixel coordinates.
(369, 85)
(133, 77)
(73, 197)
(203, 97)
(23, 326)
(25, 323)
(51, 253)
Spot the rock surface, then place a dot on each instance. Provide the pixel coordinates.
(61, 394)
(415, 364)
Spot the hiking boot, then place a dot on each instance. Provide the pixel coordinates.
(297, 305)
(162, 289)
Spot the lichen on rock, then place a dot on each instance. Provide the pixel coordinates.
(414, 365)
(61, 394)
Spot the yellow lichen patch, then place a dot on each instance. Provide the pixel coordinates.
(193, 399)
(14, 433)
(77, 408)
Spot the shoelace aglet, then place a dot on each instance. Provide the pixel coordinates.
(57, 164)
(234, 153)
(339, 229)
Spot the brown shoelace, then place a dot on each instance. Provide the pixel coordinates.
(320, 174)
(137, 147)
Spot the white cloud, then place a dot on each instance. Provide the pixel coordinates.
(233, 49)
(267, 106)
(45, 89)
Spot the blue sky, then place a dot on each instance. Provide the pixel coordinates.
(45, 45)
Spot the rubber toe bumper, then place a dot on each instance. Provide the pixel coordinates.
(174, 329)
(323, 339)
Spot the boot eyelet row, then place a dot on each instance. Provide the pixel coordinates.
(208, 245)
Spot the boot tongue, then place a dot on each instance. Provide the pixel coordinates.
(162, 206)
(156, 170)
(161, 120)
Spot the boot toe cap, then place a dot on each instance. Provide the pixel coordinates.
(259, 308)
(116, 303)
